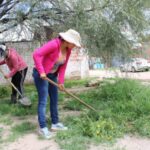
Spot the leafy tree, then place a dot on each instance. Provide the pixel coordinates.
(100, 22)
(104, 23)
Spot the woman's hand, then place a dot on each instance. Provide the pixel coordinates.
(43, 76)
(61, 87)
(6, 76)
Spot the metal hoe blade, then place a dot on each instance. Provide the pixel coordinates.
(24, 100)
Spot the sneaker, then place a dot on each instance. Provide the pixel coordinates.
(45, 133)
(58, 126)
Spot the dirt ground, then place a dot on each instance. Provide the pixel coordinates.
(128, 142)
(143, 76)
(32, 142)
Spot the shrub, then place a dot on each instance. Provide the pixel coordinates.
(3, 92)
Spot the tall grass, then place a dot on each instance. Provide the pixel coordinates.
(123, 108)
(76, 83)
(18, 109)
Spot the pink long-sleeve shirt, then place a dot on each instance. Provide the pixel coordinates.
(46, 56)
(14, 62)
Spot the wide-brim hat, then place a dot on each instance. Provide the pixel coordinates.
(71, 36)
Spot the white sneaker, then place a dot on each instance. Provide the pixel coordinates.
(45, 133)
(58, 126)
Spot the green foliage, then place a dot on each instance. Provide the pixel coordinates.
(76, 83)
(6, 120)
(102, 129)
(72, 142)
(147, 3)
(142, 125)
(122, 90)
(17, 109)
(3, 91)
(123, 108)
(23, 128)
(72, 139)
(125, 101)
(100, 24)
(73, 105)
(30, 88)
(1, 130)
(99, 21)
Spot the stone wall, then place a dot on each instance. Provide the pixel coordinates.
(77, 66)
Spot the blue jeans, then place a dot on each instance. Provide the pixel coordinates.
(44, 88)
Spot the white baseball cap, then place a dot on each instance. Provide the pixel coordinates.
(3, 47)
(71, 36)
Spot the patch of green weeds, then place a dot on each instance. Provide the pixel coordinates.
(21, 129)
(72, 105)
(29, 88)
(76, 83)
(62, 96)
(4, 91)
(17, 109)
(142, 125)
(102, 129)
(1, 129)
(24, 127)
(123, 107)
(74, 143)
(6, 120)
(72, 139)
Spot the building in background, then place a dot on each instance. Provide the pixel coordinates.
(77, 66)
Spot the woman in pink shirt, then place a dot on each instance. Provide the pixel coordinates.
(18, 69)
(50, 61)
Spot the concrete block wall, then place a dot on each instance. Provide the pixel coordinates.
(25, 49)
(77, 65)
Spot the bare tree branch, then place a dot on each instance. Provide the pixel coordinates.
(6, 8)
